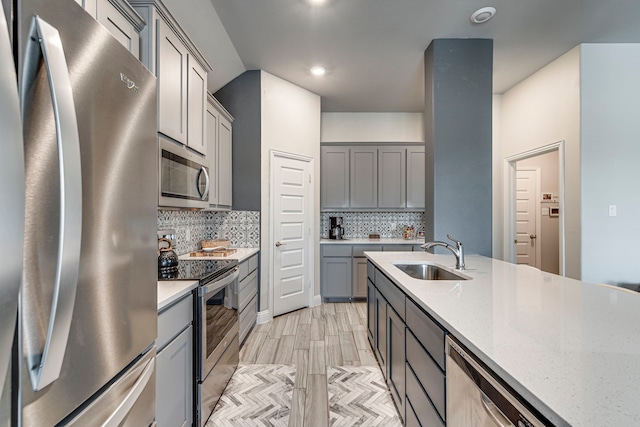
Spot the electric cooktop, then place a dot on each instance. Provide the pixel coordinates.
(202, 270)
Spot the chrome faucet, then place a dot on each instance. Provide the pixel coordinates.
(458, 251)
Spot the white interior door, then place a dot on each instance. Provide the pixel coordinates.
(291, 220)
(526, 210)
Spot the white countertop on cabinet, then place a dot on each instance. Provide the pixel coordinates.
(240, 255)
(366, 241)
(170, 291)
(570, 348)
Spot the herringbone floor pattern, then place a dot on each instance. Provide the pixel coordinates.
(311, 340)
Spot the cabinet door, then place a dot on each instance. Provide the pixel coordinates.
(212, 153)
(197, 107)
(380, 337)
(396, 358)
(415, 177)
(175, 382)
(359, 278)
(371, 312)
(334, 177)
(118, 26)
(363, 175)
(89, 6)
(225, 188)
(336, 277)
(172, 84)
(391, 177)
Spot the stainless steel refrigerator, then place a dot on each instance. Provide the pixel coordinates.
(78, 131)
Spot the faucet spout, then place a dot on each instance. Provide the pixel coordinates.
(457, 251)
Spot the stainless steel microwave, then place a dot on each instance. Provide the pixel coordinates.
(183, 178)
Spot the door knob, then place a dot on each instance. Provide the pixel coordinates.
(278, 244)
(532, 236)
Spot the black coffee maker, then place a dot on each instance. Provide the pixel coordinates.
(336, 230)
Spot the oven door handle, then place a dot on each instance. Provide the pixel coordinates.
(219, 283)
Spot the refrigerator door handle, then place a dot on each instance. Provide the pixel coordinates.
(13, 197)
(45, 43)
(131, 398)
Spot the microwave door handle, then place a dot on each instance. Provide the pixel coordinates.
(45, 43)
(13, 198)
(116, 418)
(205, 193)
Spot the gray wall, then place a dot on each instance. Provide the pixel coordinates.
(241, 97)
(610, 151)
(458, 123)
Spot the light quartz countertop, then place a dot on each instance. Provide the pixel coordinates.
(241, 255)
(366, 241)
(570, 348)
(170, 291)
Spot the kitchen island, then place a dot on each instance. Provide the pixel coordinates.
(569, 348)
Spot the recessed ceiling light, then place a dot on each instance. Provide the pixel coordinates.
(482, 15)
(318, 2)
(318, 71)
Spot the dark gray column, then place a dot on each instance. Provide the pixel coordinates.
(241, 97)
(458, 110)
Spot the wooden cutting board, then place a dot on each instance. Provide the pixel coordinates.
(218, 253)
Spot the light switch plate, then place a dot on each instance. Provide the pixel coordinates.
(613, 210)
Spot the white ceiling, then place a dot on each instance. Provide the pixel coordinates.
(373, 49)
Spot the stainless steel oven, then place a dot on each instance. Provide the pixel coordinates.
(183, 178)
(217, 344)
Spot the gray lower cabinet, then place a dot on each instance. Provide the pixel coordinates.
(396, 358)
(336, 277)
(409, 345)
(175, 377)
(245, 298)
(359, 269)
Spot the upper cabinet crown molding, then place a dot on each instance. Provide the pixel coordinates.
(212, 99)
(129, 13)
(164, 13)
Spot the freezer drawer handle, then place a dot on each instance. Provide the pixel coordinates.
(45, 44)
(132, 397)
(12, 206)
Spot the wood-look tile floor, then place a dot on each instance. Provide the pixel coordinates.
(332, 334)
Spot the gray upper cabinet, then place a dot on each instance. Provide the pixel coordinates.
(117, 16)
(364, 177)
(122, 21)
(415, 177)
(219, 152)
(335, 177)
(172, 84)
(372, 177)
(391, 177)
(182, 75)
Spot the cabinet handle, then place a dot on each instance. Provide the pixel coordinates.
(278, 244)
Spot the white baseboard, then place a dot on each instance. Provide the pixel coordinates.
(264, 317)
(317, 300)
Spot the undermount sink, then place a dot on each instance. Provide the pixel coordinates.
(428, 272)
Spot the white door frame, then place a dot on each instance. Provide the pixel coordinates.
(508, 196)
(536, 212)
(312, 221)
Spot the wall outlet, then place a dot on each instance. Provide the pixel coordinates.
(188, 235)
(393, 226)
(613, 210)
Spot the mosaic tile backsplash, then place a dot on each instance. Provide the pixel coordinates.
(361, 224)
(242, 228)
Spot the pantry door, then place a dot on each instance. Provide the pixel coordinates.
(526, 214)
(292, 238)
